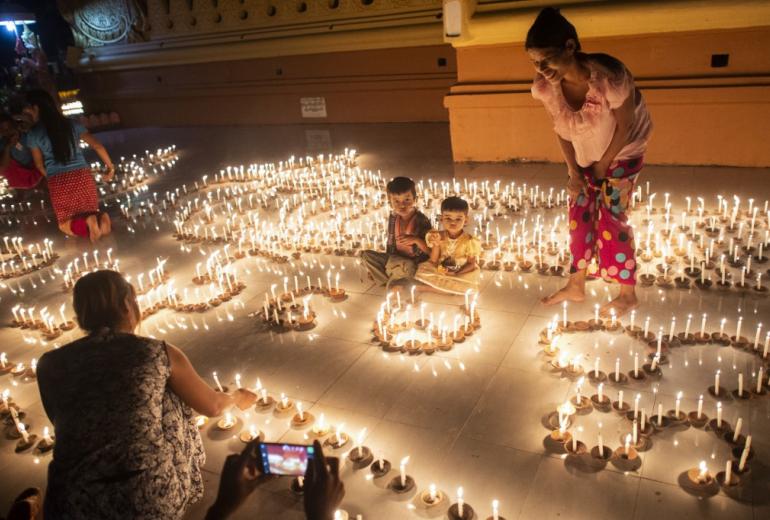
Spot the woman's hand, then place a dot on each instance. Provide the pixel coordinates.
(241, 475)
(576, 185)
(109, 174)
(323, 488)
(244, 398)
(599, 169)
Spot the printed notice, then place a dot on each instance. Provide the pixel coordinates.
(313, 106)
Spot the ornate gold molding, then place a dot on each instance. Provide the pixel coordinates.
(104, 22)
(494, 22)
(195, 31)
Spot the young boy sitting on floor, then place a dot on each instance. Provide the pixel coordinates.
(406, 237)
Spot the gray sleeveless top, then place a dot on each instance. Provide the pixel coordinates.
(126, 445)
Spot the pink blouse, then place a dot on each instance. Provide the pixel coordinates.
(591, 128)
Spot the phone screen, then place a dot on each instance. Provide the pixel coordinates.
(285, 459)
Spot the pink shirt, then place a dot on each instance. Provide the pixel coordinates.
(591, 128)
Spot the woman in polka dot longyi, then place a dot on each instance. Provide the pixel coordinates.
(603, 127)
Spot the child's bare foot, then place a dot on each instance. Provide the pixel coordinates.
(94, 232)
(572, 292)
(105, 224)
(624, 303)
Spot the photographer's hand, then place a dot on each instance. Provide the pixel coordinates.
(241, 475)
(323, 488)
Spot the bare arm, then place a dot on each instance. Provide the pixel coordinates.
(624, 116)
(37, 158)
(188, 385)
(99, 148)
(568, 151)
(435, 252)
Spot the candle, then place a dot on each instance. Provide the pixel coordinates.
(216, 380)
(432, 492)
(617, 369)
(703, 325)
(633, 318)
(601, 392)
(23, 431)
(596, 313)
(756, 337)
(759, 380)
(636, 365)
(678, 402)
(360, 441)
(660, 414)
(620, 399)
(671, 330)
(495, 510)
(738, 329)
(564, 314)
(687, 326)
(646, 327)
(402, 470)
(300, 411)
(635, 432)
(636, 405)
(716, 383)
(703, 475)
(238, 380)
(700, 407)
(738, 426)
(628, 442)
(601, 445)
(460, 502)
(722, 327)
(744, 456)
(740, 384)
(596, 367)
(719, 414)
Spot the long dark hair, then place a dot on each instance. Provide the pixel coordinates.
(58, 127)
(551, 29)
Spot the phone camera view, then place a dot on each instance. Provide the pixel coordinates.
(285, 459)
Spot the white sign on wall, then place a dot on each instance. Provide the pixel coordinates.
(313, 106)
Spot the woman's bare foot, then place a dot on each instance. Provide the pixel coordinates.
(94, 232)
(105, 224)
(574, 291)
(624, 303)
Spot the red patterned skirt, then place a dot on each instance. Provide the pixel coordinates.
(73, 194)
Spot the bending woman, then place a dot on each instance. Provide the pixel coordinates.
(53, 142)
(122, 409)
(603, 127)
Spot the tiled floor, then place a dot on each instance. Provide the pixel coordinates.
(471, 417)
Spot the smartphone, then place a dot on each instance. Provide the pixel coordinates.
(285, 459)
